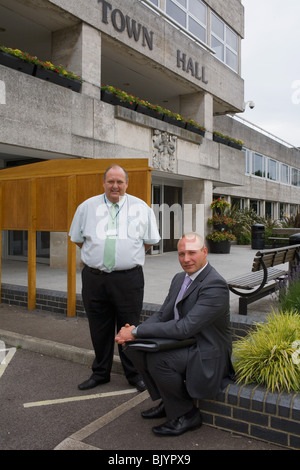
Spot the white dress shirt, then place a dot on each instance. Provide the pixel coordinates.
(136, 226)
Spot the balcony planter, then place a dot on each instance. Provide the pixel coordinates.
(220, 139)
(192, 128)
(13, 62)
(108, 97)
(235, 145)
(175, 122)
(148, 111)
(57, 78)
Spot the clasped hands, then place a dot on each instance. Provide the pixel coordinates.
(125, 334)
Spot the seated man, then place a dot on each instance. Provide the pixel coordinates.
(178, 376)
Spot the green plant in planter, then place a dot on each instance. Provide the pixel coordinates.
(221, 220)
(58, 69)
(221, 236)
(219, 205)
(195, 124)
(270, 354)
(45, 65)
(228, 138)
(124, 96)
(21, 55)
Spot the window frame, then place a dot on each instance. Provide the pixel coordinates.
(189, 15)
(224, 42)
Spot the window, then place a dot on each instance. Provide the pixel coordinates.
(272, 173)
(295, 177)
(224, 41)
(155, 2)
(293, 210)
(283, 210)
(258, 165)
(269, 210)
(284, 173)
(190, 14)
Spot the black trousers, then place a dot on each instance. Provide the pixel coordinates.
(111, 300)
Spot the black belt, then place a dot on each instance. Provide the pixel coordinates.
(98, 271)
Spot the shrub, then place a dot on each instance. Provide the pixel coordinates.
(270, 354)
(243, 221)
(289, 291)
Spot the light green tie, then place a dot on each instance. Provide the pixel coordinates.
(110, 242)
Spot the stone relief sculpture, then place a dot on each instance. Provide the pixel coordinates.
(164, 151)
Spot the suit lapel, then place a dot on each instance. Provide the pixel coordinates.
(195, 283)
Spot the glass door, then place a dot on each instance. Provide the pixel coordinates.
(18, 245)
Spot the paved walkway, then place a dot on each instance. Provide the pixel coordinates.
(68, 339)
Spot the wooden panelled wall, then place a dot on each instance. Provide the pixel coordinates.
(44, 196)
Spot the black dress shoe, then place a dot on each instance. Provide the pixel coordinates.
(178, 426)
(139, 385)
(91, 383)
(155, 412)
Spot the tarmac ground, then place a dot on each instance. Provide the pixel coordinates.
(118, 426)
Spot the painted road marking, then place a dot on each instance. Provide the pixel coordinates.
(6, 358)
(81, 398)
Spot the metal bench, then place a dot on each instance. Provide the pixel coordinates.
(264, 276)
(280, 236)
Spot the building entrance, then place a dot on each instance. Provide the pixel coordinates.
(167, 206)
(18, 245)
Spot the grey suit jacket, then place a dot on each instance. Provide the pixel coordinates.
(203, 314)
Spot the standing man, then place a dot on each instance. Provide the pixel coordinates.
(113, 230)
(178, 376)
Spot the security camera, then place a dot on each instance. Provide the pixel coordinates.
(250, 103)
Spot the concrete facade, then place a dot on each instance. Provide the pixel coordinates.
(135, 46)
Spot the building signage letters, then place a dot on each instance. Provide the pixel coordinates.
(123, 22)
(188, 65)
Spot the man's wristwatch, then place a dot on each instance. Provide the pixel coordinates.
(134, 332)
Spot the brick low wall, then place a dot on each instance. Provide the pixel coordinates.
(247, 410)
(250, 410)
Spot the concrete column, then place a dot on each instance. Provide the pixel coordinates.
(263, 208)
(199, 106)
(79, 49)
(197, 197)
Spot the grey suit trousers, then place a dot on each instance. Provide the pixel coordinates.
(164, 375)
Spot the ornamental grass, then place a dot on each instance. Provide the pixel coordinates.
(270, 354)
(289, 291)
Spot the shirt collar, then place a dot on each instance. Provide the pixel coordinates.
(120, 203)
(194, 275)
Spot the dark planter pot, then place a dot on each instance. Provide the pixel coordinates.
(128, 104)
(148, 112)
(175, 122)
(57, 79)
(111, 98)
(15, 63)
(107, 96)
(195, 129)
(219, 247)
(220, 140)
(235, 145)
